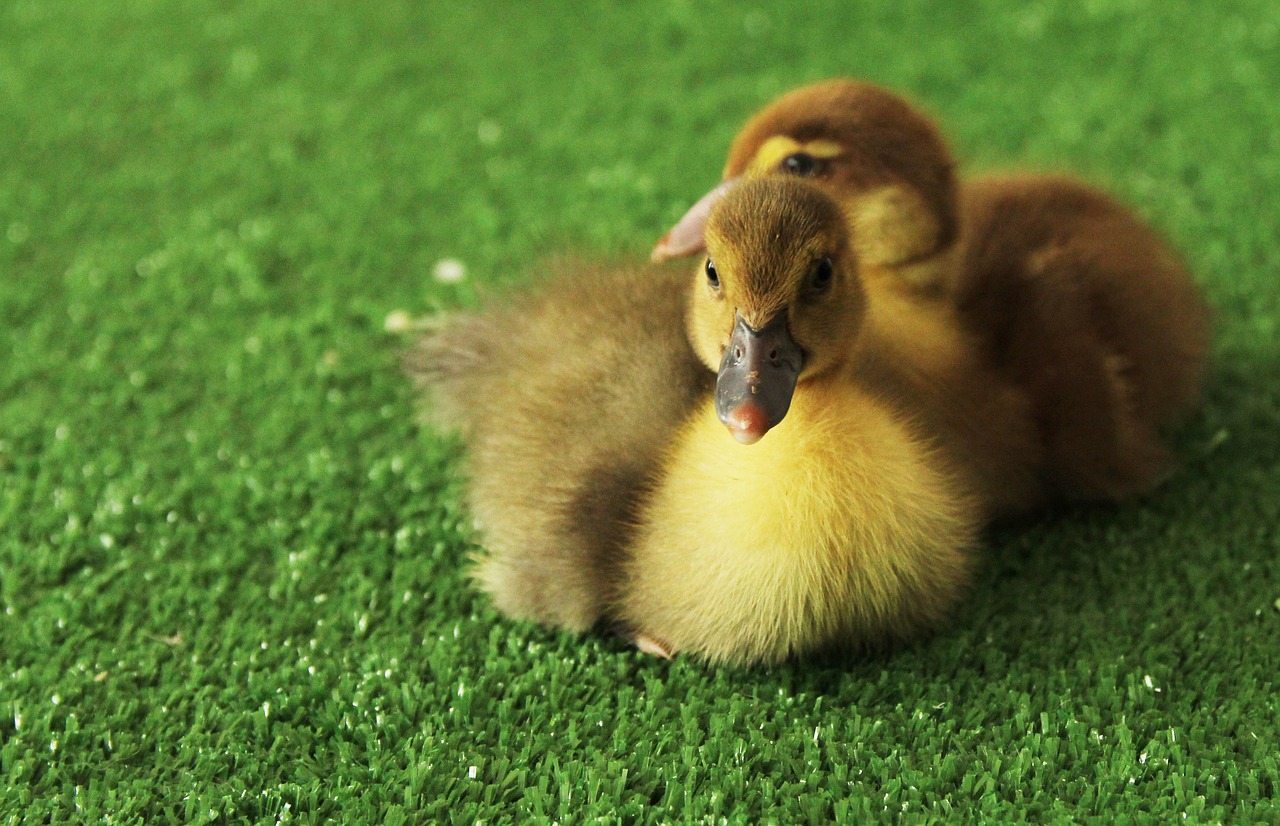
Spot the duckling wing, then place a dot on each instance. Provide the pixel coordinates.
(1087, 309)
(566, 396)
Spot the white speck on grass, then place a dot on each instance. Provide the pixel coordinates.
(17, 721)
(61, 432)
(107, 540)
(397, 321)
(266, 709)
(1148, 682)
(319, 598)
(472, 771)
(55, 699)
(449, 271)
(489, 132)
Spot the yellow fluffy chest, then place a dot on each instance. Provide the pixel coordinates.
(823, 533)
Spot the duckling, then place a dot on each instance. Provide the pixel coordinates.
(566, 396)
(1074, 305)
(846, 525)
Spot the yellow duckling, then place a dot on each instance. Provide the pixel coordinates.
(847, 524)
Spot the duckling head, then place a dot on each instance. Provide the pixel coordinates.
(866, 147)
(778, 301)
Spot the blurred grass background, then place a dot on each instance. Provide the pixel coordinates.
(230, 562)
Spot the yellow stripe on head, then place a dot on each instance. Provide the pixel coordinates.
(770, 154)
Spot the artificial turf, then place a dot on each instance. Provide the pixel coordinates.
(231, 562)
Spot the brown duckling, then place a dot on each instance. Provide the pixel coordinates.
(875, 153)
(1067, 298)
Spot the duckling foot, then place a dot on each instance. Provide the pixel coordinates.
(651, 645)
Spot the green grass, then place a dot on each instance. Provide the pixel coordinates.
(231, 563)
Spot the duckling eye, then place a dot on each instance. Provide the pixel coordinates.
(713, 277)
(801, 164)
(821, 278)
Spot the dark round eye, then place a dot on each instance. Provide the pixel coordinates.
(713, 277)
(821, 278)
(801, 163)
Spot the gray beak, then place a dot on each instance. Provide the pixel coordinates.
(757, 378)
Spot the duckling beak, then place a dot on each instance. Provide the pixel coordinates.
(757, 378)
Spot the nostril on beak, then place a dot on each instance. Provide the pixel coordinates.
(737, 352)
(773, 356)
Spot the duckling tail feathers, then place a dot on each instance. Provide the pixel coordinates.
(448, 363)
